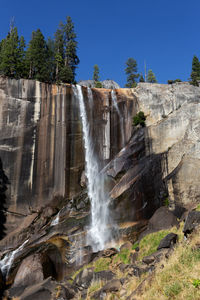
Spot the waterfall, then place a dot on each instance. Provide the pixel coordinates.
(56, 220)
(7, 261)
(99, 233)
(114, 101)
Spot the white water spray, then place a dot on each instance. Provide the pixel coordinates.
(99, 233)
(7, 261)
(56, 220)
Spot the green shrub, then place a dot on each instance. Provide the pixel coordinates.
(98, 85)
(174, 81)
(139, 119)
(196, 283)
(166, 201)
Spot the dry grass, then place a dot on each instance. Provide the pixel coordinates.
(176, 279)
(150, 242)
(94, 286)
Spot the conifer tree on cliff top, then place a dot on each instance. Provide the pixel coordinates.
(71, 59)
(12, 54)
(131, 72)
(195, 74)
(37, 57)
(96, 76)
(151, 78)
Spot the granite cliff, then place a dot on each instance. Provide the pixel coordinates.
(42, 149)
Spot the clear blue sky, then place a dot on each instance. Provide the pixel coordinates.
(164, 33)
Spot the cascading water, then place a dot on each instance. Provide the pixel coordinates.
(7, 261)
(114, 101)
(56, 220)
(99, 233)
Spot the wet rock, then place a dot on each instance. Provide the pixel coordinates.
(133, 257)
(83, 179)
(39, 291)
(104, 275)
(48, 211)
(155, 257)
(168, 241)
(191, 222)
(127, 245)
(109, 252)
(134, 270)
(112, 286)
(84, 278)
(33, 269)
(123, 267)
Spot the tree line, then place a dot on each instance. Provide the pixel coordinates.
(51, 60)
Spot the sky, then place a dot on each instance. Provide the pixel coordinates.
(163, 33)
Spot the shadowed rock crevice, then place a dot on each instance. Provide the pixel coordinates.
(3, 187)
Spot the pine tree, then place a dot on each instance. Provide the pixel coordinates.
(141, 79)
(12, 55)
(96, 76)
(195, 74)
(59, 51)
(71, 58)
(37, 57)
(51, 63)
(151, 78)
(131, 72)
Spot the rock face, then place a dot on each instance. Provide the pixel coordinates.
(174, 129)
(41, 146)
(41, 142)
(106, 84)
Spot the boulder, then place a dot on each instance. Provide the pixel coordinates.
(168, 241)
(104, 275)
(155, 257)
(33, 270)
(109, 252)
(84, 278)
(112, 286)
(191, 222)
(133, 257)
(127, 245)
(163, 218)
(134, 270)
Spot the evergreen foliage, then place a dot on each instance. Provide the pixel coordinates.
(12, 55)
(54, 60)
(71, 58)
(37, 57)
(131, 72)
(139, 119)
(195, 74)
(141, 79)
(98, 84)
(151, 78)
(96, 76)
